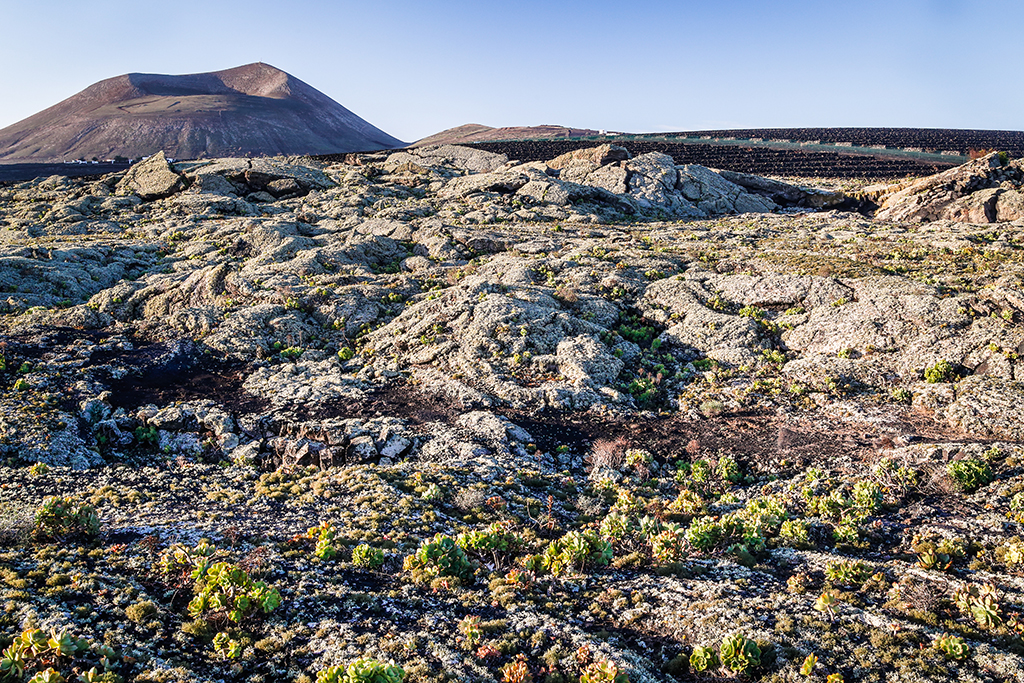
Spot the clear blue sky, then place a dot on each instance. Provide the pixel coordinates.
(414, 67)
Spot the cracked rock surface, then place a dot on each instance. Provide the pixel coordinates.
(652, 406)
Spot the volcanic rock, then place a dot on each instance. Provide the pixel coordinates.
(984, 190)
(252, 110)
(150, 179)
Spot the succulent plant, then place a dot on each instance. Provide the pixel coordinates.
(364, 555)
(362, 670)
(969, 474)
(324, 535)
(848, 572)
(728, 469)
(952, 647)
(469, 627)
(60, 517)
(227, 588)
(703, 658)
(826, 602)
(668, 546)
(739, 653)
(981, 602)
(439, 557)
(603, 671)
(573, 551)
(807, 668)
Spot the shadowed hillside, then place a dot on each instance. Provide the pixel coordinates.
(250, 110)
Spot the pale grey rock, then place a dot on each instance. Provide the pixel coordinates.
(578, 171)
(150, 179)
(503, 183)
(652, 180)
(1010, 206)
(785, 194)
(967, 193)
(987, 406)
(467, 159)
(586, 362)
(773, 291)
(212, 183)
(714, 195)
(549, 191)
(612, 178)
(600, 155)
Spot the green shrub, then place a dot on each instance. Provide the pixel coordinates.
(324, 535)
(34, 653)
(969, 473)
(981, 602)
(703, 658)
(867, 495)
(227, 647)
(367, 556)
(943, 371)
(226, 588)
(848, 572)
(181, 562)
(739, 653)
(795, 533)
(573, 551)
(952, 647)
(667, 546)
(603, 671)
(61, 517)
(363, 670)
(728, 469)
(615, 526)
(498, 537)
(439, 557)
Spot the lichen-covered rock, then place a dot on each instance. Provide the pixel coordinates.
(969, 193)
(583, 360)
(988, 406)
(152, 178)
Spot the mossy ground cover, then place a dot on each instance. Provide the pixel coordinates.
(696, 550)
(491, 438)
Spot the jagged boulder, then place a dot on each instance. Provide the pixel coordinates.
(984, 190)
(785, 194)
(276, 178)
(150, 179)
(599, 156)
(715, 195)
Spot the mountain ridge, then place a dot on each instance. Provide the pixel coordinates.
(251, 110)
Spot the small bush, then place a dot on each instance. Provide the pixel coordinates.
(603, 672)
(61, 517)
(969, 474)
(739, 653)
(363, 670)
(943, 371)
(952, 647)
(572, 552)
(364, 555)
(324, 535)
(703, 658)
(227, 588)
(437, 558)
(34, 653)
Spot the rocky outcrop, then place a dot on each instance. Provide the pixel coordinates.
(985, 190)
(151, 179)
(649, 432)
